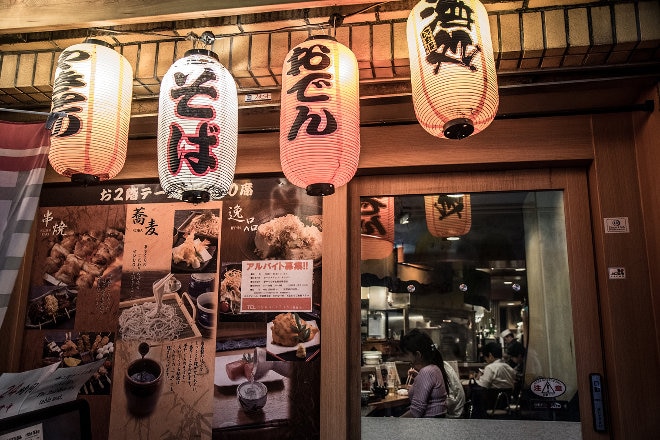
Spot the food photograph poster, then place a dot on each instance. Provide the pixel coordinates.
(204, 319)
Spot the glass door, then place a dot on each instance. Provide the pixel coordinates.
(496, 271)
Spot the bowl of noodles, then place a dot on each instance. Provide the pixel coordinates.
(230, 288)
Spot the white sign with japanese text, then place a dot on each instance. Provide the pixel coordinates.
(277, 286)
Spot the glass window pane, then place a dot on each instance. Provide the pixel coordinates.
(469, 270)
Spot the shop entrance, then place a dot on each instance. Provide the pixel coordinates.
(495, 268)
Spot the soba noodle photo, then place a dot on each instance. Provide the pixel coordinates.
(143, 321)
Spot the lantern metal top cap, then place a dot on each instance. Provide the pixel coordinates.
(321, 37)
(98, 42)
(205, 52)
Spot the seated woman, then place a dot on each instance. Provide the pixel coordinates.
(428, 393)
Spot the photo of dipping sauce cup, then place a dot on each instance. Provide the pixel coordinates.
(201, 283)
(252, 396)
(143, 383)
(203, 309)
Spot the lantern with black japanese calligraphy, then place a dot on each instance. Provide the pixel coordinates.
(197, 128)
(320, 115)
(448, 215)
(94, 87)
(452, 68)
(377, 227)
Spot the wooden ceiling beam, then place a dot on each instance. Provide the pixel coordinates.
(77, 14)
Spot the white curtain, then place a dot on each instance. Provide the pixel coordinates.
(23, 158)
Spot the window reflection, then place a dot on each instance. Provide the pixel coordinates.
(469, 270)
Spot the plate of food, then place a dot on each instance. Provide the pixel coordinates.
(203, 224)
(289, 332)
(192, 254)
(55, 306)
(285, 236)
(79, 259)
(233, 370)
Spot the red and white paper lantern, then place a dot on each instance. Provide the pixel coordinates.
(94, 87)
(452, 68)
(448, 215)
(320, 115)
(377, 227)
(197, 128)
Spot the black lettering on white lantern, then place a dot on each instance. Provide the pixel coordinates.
(197, 128)
(452, 68)
(94, 87)
(320, 115)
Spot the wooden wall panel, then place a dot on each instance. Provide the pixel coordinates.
(626, 306)
(647, 127)
(505, 144)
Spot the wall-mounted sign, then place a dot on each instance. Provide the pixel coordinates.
(616, 225)
(548, 387)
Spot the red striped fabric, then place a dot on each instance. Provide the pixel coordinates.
(23, 146)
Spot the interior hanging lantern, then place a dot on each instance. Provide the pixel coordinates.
(448, 215)
(452, 68)
(377, 227)
(197, 128)
(320, 115)
(94, 87)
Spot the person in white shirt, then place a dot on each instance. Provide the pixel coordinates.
(497, 374)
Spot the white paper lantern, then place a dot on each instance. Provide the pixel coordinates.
(94, 87)
(197, 128)
(377, 227)
(448, 215)
(320, 115)
(452, 68)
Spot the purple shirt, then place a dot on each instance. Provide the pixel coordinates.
(428, 396)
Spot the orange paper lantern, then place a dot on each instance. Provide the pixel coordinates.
(377, 227)
(197, 128)
(94, 87)
(452, 68)
(320, 116)
(447, 215)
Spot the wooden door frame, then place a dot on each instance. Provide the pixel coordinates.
(581, 260)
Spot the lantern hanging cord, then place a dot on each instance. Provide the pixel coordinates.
(52, 117)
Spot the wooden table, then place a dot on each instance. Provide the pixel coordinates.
(388, 402)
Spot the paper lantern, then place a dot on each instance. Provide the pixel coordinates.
(377, 227)
(94, 87)
(448, 215)
(452, 69)
(197, 128)
(320, 116)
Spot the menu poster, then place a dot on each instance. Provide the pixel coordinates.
(113, 288)
(146, 291)
(267, 364)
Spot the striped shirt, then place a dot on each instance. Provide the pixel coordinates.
(428, 396)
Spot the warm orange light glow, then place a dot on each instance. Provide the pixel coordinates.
(377, 227)
(448, 216)
(320, 115)
(452, 68)
(93, 86)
